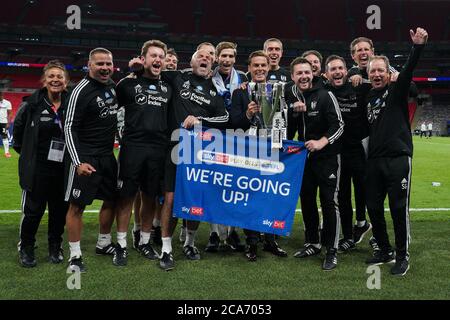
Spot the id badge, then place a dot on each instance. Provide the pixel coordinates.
(56, 152)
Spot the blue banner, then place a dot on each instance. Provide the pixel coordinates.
(238, 180)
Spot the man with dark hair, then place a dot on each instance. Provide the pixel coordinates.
(171, 62)
(314, 114)
(352, 105)
(390, 152)
(90, 128)
(144, 147)
(273, 48)
(315, 58)
(244, 115)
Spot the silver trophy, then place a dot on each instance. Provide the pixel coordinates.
(272, 120)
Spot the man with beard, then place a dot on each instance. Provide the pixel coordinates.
(226, 79)
(315, 116)
(243, 115)
(90, 128)
(144, 147)
(273, 48)
(390, 152)
(351, 103)
(195, 101)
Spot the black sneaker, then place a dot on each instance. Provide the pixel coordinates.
(234, 242)
(106, 251)
(191, 253)
(273, 247)
(307, 251)
(251, 253)
(136, 239)
(26, 257)
(374, 244)
(330, 261)
(147, 251)
(120, 257)
(360, 232)
(76, 264)
(156, 236)
(166, 262)
(380, 257)
(401, 267)
(345, 245)
(213, 243)
(55, 254)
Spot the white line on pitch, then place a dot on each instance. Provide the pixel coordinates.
(298, 210)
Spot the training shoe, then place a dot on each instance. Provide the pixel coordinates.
(120, 257)
(76, 264)
(346, 245)
(251, 253)
(234, 242)
(380, 257)
(55, 254)
(401, 267)
(136, 238)
(307, 251)
(182, 234)
(360, 232)
(191, 253)
(273, 247)
(106, 251)
(166, 262)
(213, 243)
(8, 155)
(156, 236)
(26, 257)
(147, 251)
(330, 261)
(374, 244)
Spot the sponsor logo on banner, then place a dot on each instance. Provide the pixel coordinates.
(196, 211)
(264, 165)
(205, 136)
(292, 149)
(279, 224)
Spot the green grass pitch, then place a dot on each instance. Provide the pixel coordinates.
(229, 275)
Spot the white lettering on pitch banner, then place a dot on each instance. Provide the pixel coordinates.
(243, 183)
(374, 20)
(74, 20)
(374, 280)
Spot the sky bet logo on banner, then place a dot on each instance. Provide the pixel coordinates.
(237, 180)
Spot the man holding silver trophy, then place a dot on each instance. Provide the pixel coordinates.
(258, 109)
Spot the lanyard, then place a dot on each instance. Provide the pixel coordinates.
(58, 119)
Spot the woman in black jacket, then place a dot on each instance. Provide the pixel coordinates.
(39, 139)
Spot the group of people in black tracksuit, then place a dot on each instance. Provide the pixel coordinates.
(342, 120)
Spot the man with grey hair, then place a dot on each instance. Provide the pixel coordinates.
(90, 128)
(389, 154)
(195, 100)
